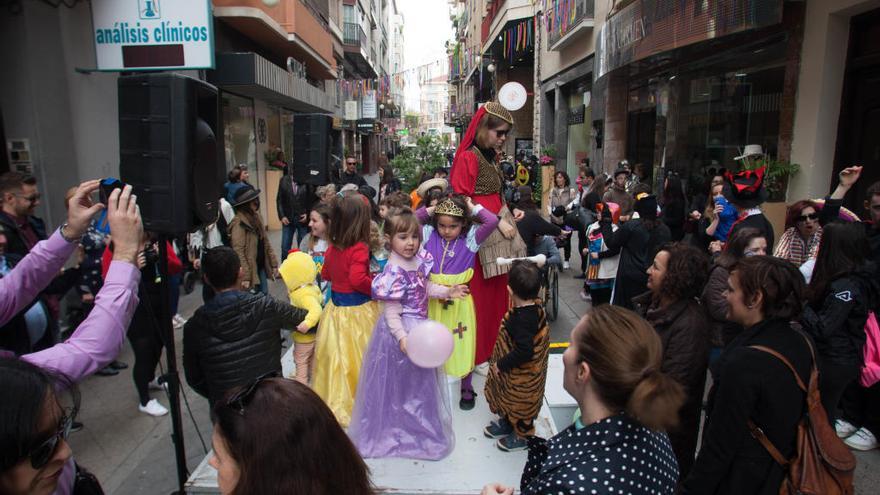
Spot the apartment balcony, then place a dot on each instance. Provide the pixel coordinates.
(249, 74)
(500, 13)
(568, 19)
(289, 28)
(357, 47)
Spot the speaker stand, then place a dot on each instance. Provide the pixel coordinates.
(171, 377)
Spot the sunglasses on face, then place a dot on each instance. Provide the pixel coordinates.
(41, 455)
(501, 133)
(33, 198)
(241, 398)
(804, 218)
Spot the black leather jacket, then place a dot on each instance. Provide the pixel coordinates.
(290, 204)
(233, 339)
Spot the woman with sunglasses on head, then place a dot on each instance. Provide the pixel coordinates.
(34, 455)
(278, 436)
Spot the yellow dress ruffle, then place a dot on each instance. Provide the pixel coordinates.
(344, 333)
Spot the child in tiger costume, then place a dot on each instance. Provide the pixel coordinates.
(518, 370)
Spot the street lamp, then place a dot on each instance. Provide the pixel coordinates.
(490, 67)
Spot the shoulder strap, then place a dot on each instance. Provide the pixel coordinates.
(785, 361)
(759, 435)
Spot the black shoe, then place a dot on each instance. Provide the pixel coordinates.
(581, 276)
(75, 426)
(118, 365)
(468, 400)
(498, 429)
(107, 371)
(511, 443)
(189, 282)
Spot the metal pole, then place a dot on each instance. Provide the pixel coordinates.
(171, 376)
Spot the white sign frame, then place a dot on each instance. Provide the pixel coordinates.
(104, 12)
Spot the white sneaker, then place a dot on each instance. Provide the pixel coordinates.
(565, 265)
(153, 408)
(844, 428)
(154, 385)
(862, 439)
(178, 321)
(482, 369)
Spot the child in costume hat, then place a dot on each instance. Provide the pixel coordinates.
(453, 240)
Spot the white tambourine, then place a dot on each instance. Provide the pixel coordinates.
(512, 96)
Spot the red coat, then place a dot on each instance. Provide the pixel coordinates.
(174, 264)
(348, 270)
(464, 178)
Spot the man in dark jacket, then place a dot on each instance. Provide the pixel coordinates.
(350, 175)
(618, 194)
(20, 198)
(233, 339)
(293, 202)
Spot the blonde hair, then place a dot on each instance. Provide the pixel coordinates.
(624, 354)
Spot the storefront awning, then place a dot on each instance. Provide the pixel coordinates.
(249, 74)
(645, 28)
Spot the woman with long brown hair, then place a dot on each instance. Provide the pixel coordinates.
(277, 436)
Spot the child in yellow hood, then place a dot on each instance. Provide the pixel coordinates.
(299, 272)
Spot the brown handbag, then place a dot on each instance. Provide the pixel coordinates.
(822, 464)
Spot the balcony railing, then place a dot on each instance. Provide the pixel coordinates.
(353, 34)
(565, 16)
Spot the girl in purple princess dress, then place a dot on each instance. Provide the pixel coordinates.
(402, 410)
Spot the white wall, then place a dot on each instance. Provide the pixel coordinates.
(820, 86)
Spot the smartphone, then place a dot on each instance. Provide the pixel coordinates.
(107, 187)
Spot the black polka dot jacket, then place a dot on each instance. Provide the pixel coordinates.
(614, 456)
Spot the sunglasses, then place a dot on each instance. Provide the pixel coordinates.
(240, 399)
(41, 455)
(501, 133)
(33, 198)
(811, 216)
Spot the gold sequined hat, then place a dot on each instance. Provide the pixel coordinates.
(448, 207)
(495, 108)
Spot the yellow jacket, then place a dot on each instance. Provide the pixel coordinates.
(299, 272)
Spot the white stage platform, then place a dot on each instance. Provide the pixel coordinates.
(474, 462)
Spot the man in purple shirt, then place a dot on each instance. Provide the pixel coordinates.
(34, 454)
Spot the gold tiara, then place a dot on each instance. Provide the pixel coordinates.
(448, 207)
(495, 108)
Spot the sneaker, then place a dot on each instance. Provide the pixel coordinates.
(511, 443)
(565, 265)
(585, 296)
(844, 428)
(118, 365)
(468, 400)
(482, 369)
(498, 429)
(156, 386)
(75, 426)
(108, 370)
(862, 439)
(153, 408)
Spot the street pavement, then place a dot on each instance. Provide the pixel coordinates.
(132, 453)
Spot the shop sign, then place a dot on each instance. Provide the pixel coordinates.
(369, 104)
(576, 115)
(648, 27)
(134, 35)
(337, 123)
(351, 110)
(365, 126)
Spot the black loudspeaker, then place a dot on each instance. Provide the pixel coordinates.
(168, 150)
(311, 148)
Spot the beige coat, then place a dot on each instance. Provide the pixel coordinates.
(245, 239)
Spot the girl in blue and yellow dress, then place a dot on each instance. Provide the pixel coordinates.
(453, 240)
(349, 317)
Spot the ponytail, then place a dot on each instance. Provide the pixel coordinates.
(655, 401)
(624, 354)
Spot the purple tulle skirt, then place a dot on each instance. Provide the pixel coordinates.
(401, 410)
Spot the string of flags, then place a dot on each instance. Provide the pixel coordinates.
(518, 38)
(395, 83)
(559, 15)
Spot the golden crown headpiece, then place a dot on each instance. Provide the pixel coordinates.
(448, 207)
(496, 109)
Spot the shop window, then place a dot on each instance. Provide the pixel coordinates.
(239, 132)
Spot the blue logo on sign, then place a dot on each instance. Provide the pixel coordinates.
(149, 9)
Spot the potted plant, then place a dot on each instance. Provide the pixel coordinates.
(776, 175)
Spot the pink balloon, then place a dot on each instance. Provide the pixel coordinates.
(429, 344)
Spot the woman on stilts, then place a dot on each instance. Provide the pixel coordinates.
(475, 173)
